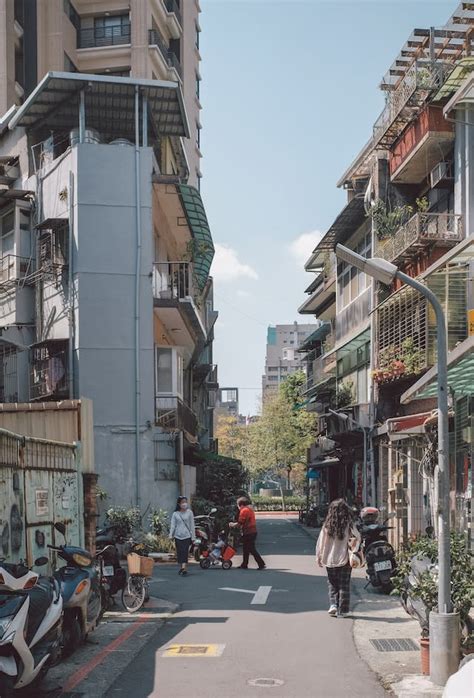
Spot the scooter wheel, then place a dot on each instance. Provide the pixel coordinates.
(72, 636)
(197, 554)
(227, 564)
(205, 563)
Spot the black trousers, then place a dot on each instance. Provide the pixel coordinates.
(248, 543)
(339, 584)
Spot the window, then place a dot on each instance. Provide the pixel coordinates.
(272, 378)
(7, 228)
(350, 281)
(73, 15)
(198, 135)
(164, 370)
(111, 26)
(198, 86)
(198, 31)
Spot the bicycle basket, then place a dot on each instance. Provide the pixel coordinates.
(138, 564)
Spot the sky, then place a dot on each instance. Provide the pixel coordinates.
(290, 94)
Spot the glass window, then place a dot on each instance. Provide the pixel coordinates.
(164, 370)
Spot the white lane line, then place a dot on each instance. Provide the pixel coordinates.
(261, 596)
(244, 591)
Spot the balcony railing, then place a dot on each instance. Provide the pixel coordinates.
(155, 39)
(103, 36)
(419, 80)
(171, 413)
(172, 6)
(420, 230)
(172, 280)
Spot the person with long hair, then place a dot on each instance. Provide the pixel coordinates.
(183, 531)
(332, 552)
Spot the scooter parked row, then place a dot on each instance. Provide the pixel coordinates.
(379, 554)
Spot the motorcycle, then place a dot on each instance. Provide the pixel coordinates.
(112, 576)
(379, 554)
(80, 589)
(31, 610)
(204, 525)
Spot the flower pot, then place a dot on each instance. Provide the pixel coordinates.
(425, 655)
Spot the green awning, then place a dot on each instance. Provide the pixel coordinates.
(463, 69)
(203, 252)
(460, 375)
(319, 334)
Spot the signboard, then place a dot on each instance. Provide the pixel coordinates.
(470, 322)
(42, 506)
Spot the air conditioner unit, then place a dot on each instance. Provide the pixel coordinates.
(441, 173)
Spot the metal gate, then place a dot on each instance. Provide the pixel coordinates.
(40, 484)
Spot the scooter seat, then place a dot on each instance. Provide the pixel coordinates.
(41, 597)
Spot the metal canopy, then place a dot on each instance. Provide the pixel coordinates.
(317, 336)
(460, 375)
(109, 104)
(345, 225)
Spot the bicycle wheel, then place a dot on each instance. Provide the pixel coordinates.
(133, 595)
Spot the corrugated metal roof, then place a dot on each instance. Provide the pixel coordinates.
(346, 224)
(109, 104)
(203, 252)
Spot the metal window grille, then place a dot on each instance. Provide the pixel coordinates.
(404, 317)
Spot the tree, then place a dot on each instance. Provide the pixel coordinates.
(279, 440)
(231, 437)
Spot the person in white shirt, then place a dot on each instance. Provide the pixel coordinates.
(332, 552)
(183, 531)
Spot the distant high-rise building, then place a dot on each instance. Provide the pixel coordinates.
(282, 357)
(227, 402)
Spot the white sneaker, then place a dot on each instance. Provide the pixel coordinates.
(342, 615)
(333, 611)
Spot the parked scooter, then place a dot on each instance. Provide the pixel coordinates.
(30, 625)
(113, 577)
(379, 554)
(80, 589)
(204, 533)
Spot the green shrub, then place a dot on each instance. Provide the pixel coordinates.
(223, 515)
(159, 522)
(159, 543)
(275, 504)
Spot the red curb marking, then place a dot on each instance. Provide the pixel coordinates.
(84, 671)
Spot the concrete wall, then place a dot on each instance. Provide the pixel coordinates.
(190, 61)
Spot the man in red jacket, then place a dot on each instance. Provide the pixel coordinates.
(249, 533)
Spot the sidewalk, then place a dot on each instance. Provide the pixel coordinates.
(380, 617)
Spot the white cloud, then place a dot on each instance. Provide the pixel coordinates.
(303, 245)
(227, 266)
(243, 294)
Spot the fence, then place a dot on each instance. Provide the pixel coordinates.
(41, 485)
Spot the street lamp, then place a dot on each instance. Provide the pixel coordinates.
(366, 430)
(444, 625)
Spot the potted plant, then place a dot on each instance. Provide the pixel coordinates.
(398, 367)
(416, 582)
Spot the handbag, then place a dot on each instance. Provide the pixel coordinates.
(356, 557)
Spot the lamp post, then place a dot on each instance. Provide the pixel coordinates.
(444, 624)
(365, 430)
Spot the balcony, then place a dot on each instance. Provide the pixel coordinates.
(172, 414)
(174, 293)
(49, 371)
(168, 56)
(406, 100)
(173, 8)
(103, 36)
(427, 140)
(418, 233)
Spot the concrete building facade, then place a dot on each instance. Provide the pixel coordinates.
(105, 290)
(282, 357)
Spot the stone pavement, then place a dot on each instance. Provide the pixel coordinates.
(380, 617)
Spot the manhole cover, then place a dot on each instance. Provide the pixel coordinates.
(404, 644)
(194, 651)
(265, 683)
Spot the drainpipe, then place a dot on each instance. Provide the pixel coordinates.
(181, 463)
(70, 288)
(138, 226)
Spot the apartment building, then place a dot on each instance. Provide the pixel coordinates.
(409, 201)
(282, 357)
(105, 290)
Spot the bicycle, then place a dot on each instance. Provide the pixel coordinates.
(136, 591)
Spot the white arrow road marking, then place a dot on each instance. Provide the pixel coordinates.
(259, 597)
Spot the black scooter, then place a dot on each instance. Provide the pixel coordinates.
(379, 554)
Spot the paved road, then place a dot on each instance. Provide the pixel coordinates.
(289, 638)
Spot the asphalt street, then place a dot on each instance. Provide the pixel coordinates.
(235, 636)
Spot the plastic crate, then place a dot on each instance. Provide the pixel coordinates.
(228, 553)
(138, 564)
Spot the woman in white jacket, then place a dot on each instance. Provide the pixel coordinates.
(183, 531)
(332, 552)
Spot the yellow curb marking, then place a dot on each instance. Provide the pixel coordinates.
(194, 651)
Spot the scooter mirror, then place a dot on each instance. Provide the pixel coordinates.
(41, 561)
(59, 526)
(213, 510)
(392, 515)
